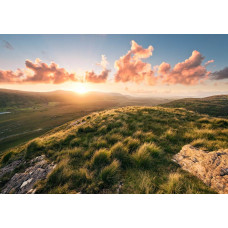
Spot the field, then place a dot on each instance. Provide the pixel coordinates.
(125, 150)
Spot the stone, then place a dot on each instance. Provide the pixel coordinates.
(210, 167)
(24, 182)
(10, 167)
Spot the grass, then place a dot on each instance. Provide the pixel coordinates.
(213, 105)
(132, 145)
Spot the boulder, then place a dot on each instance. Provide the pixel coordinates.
(211, 167)
(24, 182)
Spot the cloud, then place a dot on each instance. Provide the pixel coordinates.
(130, 67)
(7, 45)
(8, 76)
(91, 76)
(38, 72)
(189, 72)
(208, 62)
(220, 75)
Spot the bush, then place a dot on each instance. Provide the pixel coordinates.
(100, 159)
(109, 174)
(119, 152)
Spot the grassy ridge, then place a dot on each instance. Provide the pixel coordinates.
(132, 145)
(215, 105)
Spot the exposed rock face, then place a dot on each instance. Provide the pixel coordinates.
(23, 182)
(10, 167)
(210, 167)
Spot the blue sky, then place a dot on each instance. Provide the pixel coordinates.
(82, 52)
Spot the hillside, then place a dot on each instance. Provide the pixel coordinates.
(27, 115)
(214, 105)
(124, 150)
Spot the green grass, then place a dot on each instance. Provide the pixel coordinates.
(213, 105)
(132, 145)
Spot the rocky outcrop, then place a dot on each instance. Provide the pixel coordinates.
(10, 167)
(210, 167)
(24, 182)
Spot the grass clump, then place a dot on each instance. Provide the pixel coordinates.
(33, 149)
(100, 159)
(132, 144)
(119, 152)
(110, 174)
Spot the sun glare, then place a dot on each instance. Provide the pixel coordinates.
(81, 89)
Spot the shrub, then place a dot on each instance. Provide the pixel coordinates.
(109, 174)
(119, 152)
(100, 159)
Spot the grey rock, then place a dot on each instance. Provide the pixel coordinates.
(10, 167)
(24, 182)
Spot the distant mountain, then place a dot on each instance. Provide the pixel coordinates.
(10, 99)
(213, 105)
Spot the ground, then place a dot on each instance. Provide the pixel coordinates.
(125, 150)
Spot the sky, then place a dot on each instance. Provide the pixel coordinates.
(138, 65)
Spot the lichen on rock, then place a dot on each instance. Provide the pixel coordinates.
(24, 182)
(210, 167)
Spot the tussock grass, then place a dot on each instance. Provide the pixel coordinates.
(110, 174)
(133, 145)
(100, 159)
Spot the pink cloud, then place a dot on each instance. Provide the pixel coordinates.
(44, 73)
(130, 67)
(208, 62)
(189, 72)
(91, 76)
(8, 76)
(38, 72)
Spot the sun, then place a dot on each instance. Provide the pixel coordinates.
(81, 89)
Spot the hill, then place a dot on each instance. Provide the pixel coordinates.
(213, 105)
(15, 99)
(27, 115)
(126, 150)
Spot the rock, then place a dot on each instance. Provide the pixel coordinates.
(10, 167)
(210, 167)
(24, 182)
